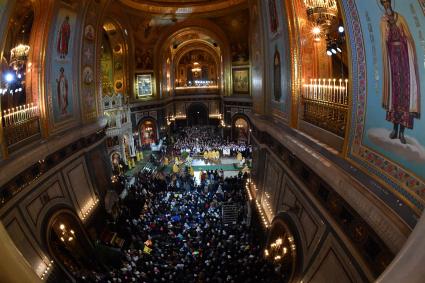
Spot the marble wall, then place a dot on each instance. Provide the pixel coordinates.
(69, 186)
(325, 257)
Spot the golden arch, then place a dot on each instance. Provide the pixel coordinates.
(197, 26)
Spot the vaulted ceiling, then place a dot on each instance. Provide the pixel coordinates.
(183, 6)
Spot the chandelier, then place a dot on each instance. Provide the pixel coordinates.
(19, 55)
(65, 235)
(324, 13)
(196, 67)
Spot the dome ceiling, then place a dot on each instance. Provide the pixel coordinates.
(182, 6)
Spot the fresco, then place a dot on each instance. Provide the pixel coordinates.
(278, 52)
(62, 66)
(395, 57)
(387, 134)
(274, 20)
(240, 81)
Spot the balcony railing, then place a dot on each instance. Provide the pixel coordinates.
(325, 104)
(20, 124)
(183, 90)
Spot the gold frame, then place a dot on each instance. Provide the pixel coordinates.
(136, 84)
(241, 69)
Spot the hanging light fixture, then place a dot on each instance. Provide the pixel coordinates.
(65, 235)
(19, 53)
(196, 67)
(323, 14)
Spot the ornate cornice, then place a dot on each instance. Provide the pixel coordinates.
(181, 7)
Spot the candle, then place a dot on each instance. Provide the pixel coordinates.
(346, 92)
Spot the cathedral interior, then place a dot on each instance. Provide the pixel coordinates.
(212, 141)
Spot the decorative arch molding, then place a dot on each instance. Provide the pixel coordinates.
(287, 220)
(140, 125)
(47, 225)
(188, 46)
(146, 118)
(201, 26)
(241, 115)
(197, 113)
(235, 118)
(164, 7)
(198, 45)
(111, 155)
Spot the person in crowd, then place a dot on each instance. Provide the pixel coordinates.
(173, 231)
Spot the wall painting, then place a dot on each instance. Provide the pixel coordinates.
(241, 81)
(388, 132)
(144, 85)
(62, 66)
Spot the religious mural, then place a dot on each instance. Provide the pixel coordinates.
(89, 88)
(387, 133)
(147, 132)
(64, 35)
(257, 51)
(144, 59)
(62, 66)
(277, 84)
(278, 53)
(144, 85)
(89, 33)
(274, 21)
(241, 81)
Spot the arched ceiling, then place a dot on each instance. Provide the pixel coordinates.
(182, 7)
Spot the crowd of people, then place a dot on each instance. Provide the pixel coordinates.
(171, 228)
(197, 140)
(173, 232)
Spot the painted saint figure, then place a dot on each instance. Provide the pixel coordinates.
(401, 91)
(276, 77)
(62, 92)
(274, 24)
(63, 38)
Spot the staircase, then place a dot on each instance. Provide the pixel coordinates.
(229, 213)
(149, 167)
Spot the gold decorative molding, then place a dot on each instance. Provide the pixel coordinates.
(345, 147)
(181, 7)
(202, 26)
(295, 62)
